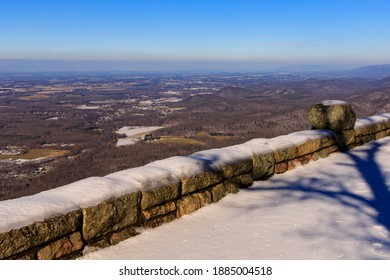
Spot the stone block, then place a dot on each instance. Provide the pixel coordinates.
(244, 180)
(195, 172)
(381, 134)
(303, 160)
(238, 168)
(263, 166)
(367, 138)
(25, 257)
(314, 145)
(110, 216)
(192, 202)
(157, 184)
(231, 160)
(200, 181)
(19, 240)
(159, 210)
(221, 190)
(386, 124)
(323, 153)
(157, 221)
(330, 140)
(309, 147)
(285, 154)
(99, 243)
(121, 235)
(231, 187)
(61, 248)
(218, 192)
(281, 167)
(156, 196)
(346, 138)
(333, 115)
(369, 129)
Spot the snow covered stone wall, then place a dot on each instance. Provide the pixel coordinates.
(101, 211)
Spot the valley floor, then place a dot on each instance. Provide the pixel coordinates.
(334, 208)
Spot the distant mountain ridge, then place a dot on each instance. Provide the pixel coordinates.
(379, 71)
(371, 71)
(57, 65)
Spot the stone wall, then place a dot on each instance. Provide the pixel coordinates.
(101, 211)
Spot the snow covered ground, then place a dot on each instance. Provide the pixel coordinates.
(134, 134)
(334, 208)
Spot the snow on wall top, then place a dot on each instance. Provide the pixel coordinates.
(232, 154)
(263, 145)
(372, 120)
(24, 211)
(146, 177)
(184, 167)
(219, 157)
(333, 102)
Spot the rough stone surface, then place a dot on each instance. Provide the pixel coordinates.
(312, 146)
(244, 180)
(218, 192)
(369, 129)
(110, 216)
(309, 147)
(327, 151)
(367, 138)
(338, 116)
(61, 248)
(299, 161)
(159, 210)
(231, 187)
(263, 166)
(191, 203)
(200, 181)
(19, 240)
(329, 141)
(157, 196)
(286, 154)
(238, 168)
(102, 242)
(281, 167)
(380, 135)
(25, 257)
(121, 235)
(346, 138)
(221, 190)
(155, 222)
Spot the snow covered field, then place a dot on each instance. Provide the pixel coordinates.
(334, 208)
(133, 134)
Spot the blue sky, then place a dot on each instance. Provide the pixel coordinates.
(268, 33)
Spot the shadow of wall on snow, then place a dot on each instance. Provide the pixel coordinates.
(375, 206)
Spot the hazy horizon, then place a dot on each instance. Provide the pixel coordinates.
(31, 65)
(190, 35)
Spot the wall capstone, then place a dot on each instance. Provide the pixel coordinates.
(334, 115)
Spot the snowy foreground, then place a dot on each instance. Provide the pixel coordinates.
(334, 208)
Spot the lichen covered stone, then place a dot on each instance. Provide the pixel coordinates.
(333, 115)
